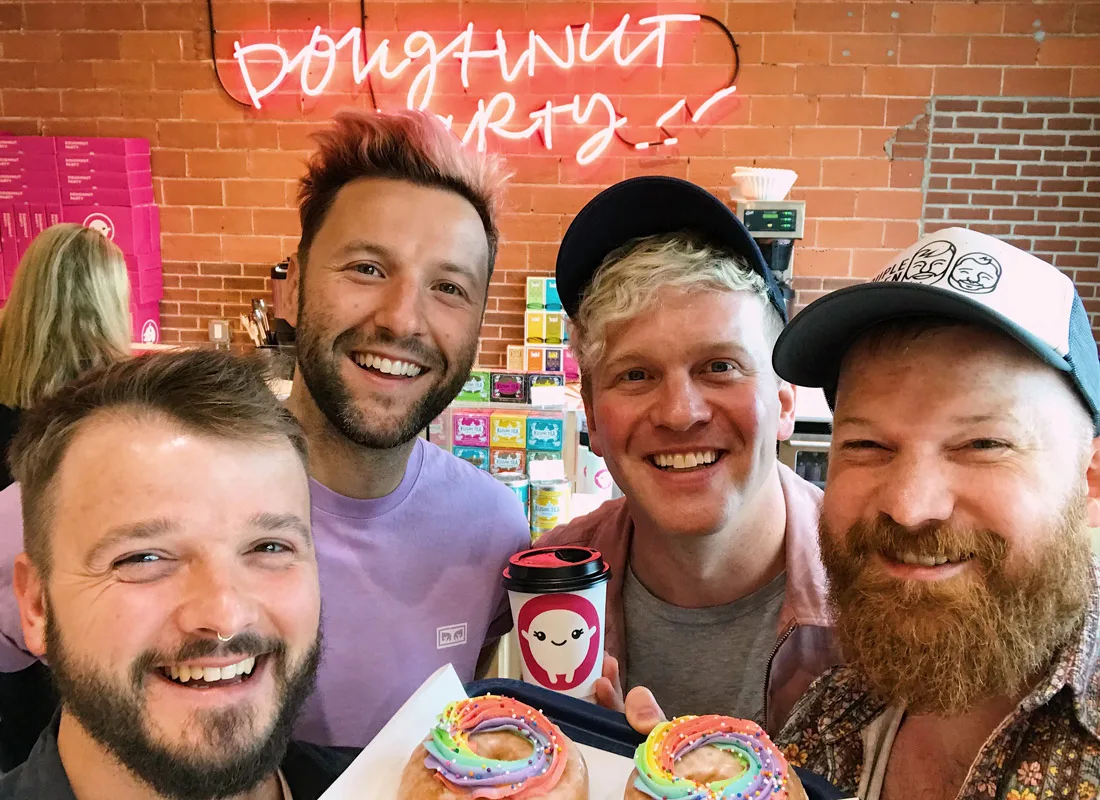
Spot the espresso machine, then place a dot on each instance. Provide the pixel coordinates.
(776, 225)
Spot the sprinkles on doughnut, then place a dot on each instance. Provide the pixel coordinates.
(764, 774)
(495, 747)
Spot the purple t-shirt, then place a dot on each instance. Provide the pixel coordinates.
(409, 582)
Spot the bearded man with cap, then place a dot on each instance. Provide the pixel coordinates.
(713, 549)
(963, 477)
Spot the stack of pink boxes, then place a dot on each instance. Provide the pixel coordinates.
(105, 184)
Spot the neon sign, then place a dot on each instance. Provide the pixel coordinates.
(317, 61)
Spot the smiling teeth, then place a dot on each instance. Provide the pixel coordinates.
(386, 365)
(185, 673)
(927, 561)
(684, 460)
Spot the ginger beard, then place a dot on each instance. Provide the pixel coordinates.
(940, 647)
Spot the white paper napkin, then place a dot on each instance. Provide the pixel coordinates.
(375, 773)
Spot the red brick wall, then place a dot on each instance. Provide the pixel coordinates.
(834, 90)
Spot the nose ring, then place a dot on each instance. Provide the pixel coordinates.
(225, 638)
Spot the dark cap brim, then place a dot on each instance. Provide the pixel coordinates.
(649, 206)
(810, 350)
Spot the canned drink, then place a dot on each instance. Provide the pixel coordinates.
(520, 486)
(550, 502)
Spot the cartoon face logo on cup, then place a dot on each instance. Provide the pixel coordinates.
(102, 223)
(559, 639)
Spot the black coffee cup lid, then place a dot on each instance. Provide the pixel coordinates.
(546, 570)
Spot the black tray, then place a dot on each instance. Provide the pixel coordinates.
(583, 722)
(595, 726)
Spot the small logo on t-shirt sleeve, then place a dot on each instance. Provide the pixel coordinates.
(450, 636)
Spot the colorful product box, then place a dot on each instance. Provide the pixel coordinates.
(10, 252)
(470, 428)
(536, 358)
(476, 388)
(555, 327)
(28, 179)
(31, 194)
(569, 365)
(145, 318)
(115, 181)
(130, 227)
(544, 379)
(517, 358)
(534, 327)
(507, 387)
(138, 196)
(553, 302)
(70, 145)
(24, 162)
(478, 456)
(546, 434)
(554, 359)
(508, 430)
(28, 145)
(536, 292)
(506, 460)
(101, 162)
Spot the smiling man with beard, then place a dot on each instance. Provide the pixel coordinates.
(170, 581)
(963, 475)
(391, 279)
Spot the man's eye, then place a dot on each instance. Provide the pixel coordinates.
(861, 444)
(272, 547)
(451, 288)
(138, 558)
(722, 366)
(987, 444)
(366, 269)
(634, 375)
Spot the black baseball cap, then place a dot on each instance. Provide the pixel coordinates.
(649, 206)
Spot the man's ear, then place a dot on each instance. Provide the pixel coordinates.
(787, 396)
(1092, 477)
(293, 288)
(30, 593)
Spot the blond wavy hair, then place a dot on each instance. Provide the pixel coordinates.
(627, 282)
(69, 311)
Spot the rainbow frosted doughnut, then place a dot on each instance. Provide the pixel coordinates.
(459, 767)
(764, 778)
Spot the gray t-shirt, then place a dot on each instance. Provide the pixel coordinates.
(702, 660)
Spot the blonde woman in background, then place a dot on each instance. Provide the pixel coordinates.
(69, 311)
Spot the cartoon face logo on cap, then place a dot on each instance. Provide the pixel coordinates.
(931, 262)
(975, 273)
(559, 638)
(100, 223)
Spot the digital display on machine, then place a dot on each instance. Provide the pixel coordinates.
(781, 221)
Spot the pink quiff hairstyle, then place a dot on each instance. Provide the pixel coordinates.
(406, 145)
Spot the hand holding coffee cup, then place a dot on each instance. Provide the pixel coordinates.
(558, 597)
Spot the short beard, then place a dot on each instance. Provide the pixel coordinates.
(943, 648)
(320, 370)
(114, 716)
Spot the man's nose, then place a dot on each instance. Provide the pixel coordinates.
(401, 311)
(680, 403)
(214, 602)
(916, 491)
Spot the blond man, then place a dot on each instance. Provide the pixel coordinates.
(717, 602)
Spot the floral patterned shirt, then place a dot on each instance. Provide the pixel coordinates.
(1049, 747)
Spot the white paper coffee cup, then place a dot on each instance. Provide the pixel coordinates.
(558, 597)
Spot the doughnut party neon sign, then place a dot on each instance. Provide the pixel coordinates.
(317, 61)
